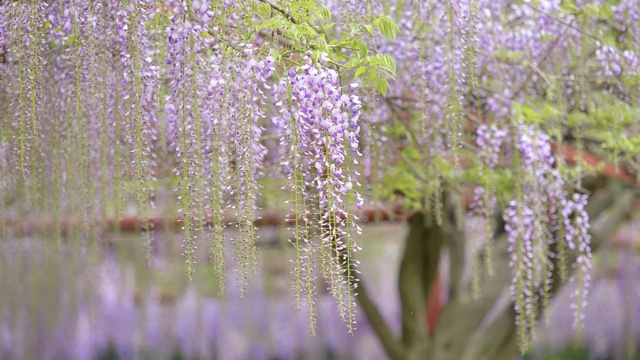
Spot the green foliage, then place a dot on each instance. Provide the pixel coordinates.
(307, 27)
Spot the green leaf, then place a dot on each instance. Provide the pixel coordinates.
(381, 84)
(369, 28)
(323, 14)
(387, 61)
(308, 5)
(292, 32)
(360, 47)
(372, 74)
(263, 10)
(361, 70)
(353, 62)
(322, 44)
(386, 26)
(273, 23)
(307, 31)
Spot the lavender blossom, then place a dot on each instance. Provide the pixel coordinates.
(319, 125)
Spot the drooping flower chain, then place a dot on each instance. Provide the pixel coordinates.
(539, 217)
(319, 126)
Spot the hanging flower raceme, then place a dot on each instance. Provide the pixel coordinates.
(577, 237)
(182, 111)
(490, 141)
(214, 109)
(245, 110)
(541, 216)
(318, 125)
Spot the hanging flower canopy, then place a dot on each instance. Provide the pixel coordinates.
(106, 105)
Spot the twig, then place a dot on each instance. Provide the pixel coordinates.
(282, 40)
(229, 43)
(570, 25)
(281, 10)
(544, 58)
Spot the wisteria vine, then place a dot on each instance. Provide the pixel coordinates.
(193, 107)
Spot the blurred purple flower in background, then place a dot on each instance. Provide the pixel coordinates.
(119, 308)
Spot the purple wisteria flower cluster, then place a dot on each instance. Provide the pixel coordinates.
(319, 127)
(576, 228)
(540, 218)
(489, 140)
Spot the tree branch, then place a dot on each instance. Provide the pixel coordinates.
(390, 343)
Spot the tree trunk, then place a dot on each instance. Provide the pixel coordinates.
(417, 271)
